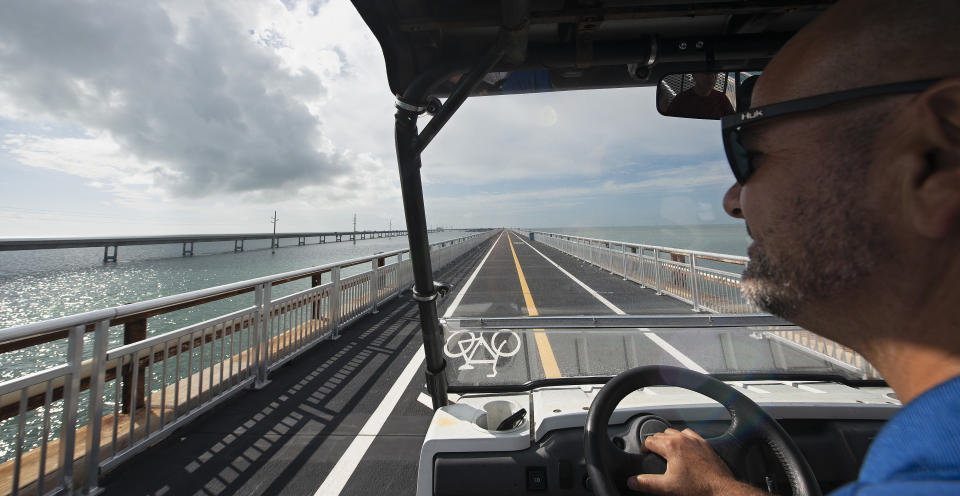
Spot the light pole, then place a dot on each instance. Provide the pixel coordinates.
(273, 241)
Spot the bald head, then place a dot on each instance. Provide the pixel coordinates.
(859, 43)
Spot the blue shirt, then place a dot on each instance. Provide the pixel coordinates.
(918, 451)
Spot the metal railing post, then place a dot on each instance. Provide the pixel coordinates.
(335, 303)
(374, 285)
(133, 331)
(316, 312)
(656, 267)
(694, 287)
(399, 272)
(264, 324)
(94, 424)
(624, 250)
(255, 346)
(267, 329)
(641, 267)
(71, 397)
(610, 258)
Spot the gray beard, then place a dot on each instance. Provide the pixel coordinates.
(838, 243)
(768, 288)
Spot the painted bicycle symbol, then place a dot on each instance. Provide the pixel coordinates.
(465, 344)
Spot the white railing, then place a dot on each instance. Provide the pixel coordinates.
(141, 391)
(682, 275)
(679, 273)
(826, 349)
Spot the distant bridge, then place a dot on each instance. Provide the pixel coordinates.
(187, 240)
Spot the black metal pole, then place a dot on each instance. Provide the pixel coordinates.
(423, 289)
(464, 87)
(409, 144)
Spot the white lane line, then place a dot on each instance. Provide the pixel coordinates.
(466, 286)
(669, 348)
(675, 353)
(590, 290)
(338, 477)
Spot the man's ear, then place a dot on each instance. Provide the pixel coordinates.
(934, 189)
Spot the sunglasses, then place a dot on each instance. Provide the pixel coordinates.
(741, 160)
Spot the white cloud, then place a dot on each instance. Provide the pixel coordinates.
(592, 134)
(181, 107)
(96, 157)
(194, 93)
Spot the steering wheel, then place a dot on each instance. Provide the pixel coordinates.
(609, 465)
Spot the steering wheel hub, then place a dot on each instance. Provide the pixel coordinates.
(651, 425)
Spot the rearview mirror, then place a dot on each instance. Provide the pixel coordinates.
(704, 95)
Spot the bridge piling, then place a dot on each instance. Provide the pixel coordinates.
(237, 245)
(188, 252)
(107, 257)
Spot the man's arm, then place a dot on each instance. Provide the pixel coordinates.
(693, 468)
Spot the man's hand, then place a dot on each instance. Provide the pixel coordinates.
(693, 468)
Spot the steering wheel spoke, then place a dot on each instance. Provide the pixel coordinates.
(726, 446)
(622, 464)
(731, 449)
(622, 460)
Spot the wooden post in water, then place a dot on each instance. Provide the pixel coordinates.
(132, 332)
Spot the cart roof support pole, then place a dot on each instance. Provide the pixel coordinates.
(409, 145)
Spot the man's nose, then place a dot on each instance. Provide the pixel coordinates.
(731, 201)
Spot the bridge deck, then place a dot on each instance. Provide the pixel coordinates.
(349, 417)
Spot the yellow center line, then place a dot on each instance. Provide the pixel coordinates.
(547, 359)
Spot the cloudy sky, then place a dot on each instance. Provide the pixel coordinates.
(190, 117)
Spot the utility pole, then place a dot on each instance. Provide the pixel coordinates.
(354, 228)
(273, 242)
